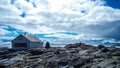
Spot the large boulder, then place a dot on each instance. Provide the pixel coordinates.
(35, 52)
(1, 52)
(56, 52)
(100, 46)
(11, 61)
(116, 54)
(70, 46)
(63, 62)
(52, 64)
(80, 45)
(77, 63)
(105, 49)
(2, 66)
(108, 63)
(96, 66)
(12, 50)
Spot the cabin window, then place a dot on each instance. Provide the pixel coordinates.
(38, 42)
(20, 45)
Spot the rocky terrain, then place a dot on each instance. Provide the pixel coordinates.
(78, 55)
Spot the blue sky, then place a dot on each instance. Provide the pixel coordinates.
(61, 21)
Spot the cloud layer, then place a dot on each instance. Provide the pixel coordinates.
(87, 18)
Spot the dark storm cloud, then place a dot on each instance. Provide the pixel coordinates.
(106, 30)
(114, 31)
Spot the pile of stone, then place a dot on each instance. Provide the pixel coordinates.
(78, 55)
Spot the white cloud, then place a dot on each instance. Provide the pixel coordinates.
(87, 18)
(4, 2)
(3, 31)
(23, 5)
(102, 14)
(5, 44)
(6, 9)
(66, 36)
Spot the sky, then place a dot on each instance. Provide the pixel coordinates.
(61, 21)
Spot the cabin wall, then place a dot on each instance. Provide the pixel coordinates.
(20, 40)
(36, 45)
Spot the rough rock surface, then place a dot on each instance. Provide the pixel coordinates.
(78, 55)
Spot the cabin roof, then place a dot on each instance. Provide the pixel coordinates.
(31, 38)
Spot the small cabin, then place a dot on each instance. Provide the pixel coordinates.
(25, 42)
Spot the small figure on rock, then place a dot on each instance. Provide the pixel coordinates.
(47, 45)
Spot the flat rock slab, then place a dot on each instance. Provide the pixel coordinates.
(7, 62)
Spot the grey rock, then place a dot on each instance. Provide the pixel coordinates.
(2, 66)
(104, 49)
(78, 55)
(100, 46)
(35, 51)
(96, 66)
